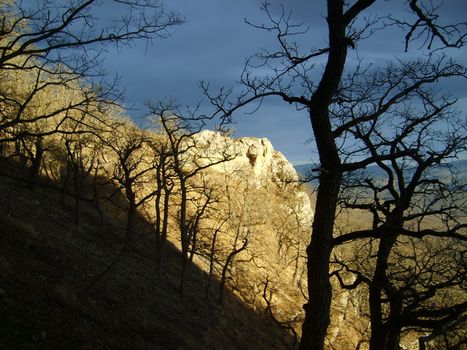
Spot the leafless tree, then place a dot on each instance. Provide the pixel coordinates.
(291, 78)
(131, 170)
(189, 159)
(212, 253)
(414, 209)
(50, 61)
(82, 165)
(131, 173)
(203, 206)
(164, 186)
(288, 325)
(243, 213)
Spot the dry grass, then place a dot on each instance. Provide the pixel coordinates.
(45, 263)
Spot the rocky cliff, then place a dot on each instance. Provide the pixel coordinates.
(254, 156)
(271, 273)
(271, 211)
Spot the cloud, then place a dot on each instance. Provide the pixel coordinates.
(212, 46)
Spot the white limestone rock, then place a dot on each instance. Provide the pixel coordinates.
(254, 157)
(256, 161)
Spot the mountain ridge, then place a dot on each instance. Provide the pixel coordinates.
(374, 171)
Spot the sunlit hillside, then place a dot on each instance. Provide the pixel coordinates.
(48, 262)
(171, 232)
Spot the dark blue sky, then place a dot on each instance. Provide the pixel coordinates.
(212, 46)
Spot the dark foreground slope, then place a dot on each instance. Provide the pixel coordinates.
(46, 262)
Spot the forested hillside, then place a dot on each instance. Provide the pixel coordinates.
(173, 236)
(47, 263)
(119, 237)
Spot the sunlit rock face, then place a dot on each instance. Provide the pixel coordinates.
(252, 156)
(281, 211)
(270, 209)
(254, 160)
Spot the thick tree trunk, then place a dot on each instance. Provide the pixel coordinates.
(379, 330)
(317, 310)
(394, 323)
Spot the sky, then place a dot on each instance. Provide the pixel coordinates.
(212, 46)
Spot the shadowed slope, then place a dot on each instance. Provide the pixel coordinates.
(46, 262)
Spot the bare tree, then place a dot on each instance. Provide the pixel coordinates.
(50, 61)
(291, 79)
(35, 156)
(212, 253)
(131, 170)
(414, 210)
(288, 325)
(164, 187)
(83, 153)
(189, 159)
(243, 217)
(203, 205)
(292, 230)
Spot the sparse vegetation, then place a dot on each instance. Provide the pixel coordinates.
(114, 236)
(348, 103)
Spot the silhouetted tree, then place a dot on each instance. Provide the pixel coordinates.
(164, 186)
(189, 159)
(243, 216)
(418, 216)
(212, 253)
(292, 78)
(50, 62)
(82, 164)
(288, 325)
(131, 170)
(36, 156)
(203, 201)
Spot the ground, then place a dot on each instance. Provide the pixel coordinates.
(47, 262)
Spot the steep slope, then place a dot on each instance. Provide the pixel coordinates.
(260, 219)
(272, 216)
(46, 262)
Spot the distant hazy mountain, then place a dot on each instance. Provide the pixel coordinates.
(459, 166)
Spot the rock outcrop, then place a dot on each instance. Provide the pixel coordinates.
(275, 257)
(271, 210)
(254, 157)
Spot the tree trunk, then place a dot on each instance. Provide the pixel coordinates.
(379, 330)
(158, 223)
(394, 323)
(165, 225)
(317, 310)
(78, 183)
(36, 162)
(212, 255)
(65, 178)
(183, 231)
(225, 269)
(130, 224)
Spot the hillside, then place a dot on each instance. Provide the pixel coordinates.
(46, 262)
